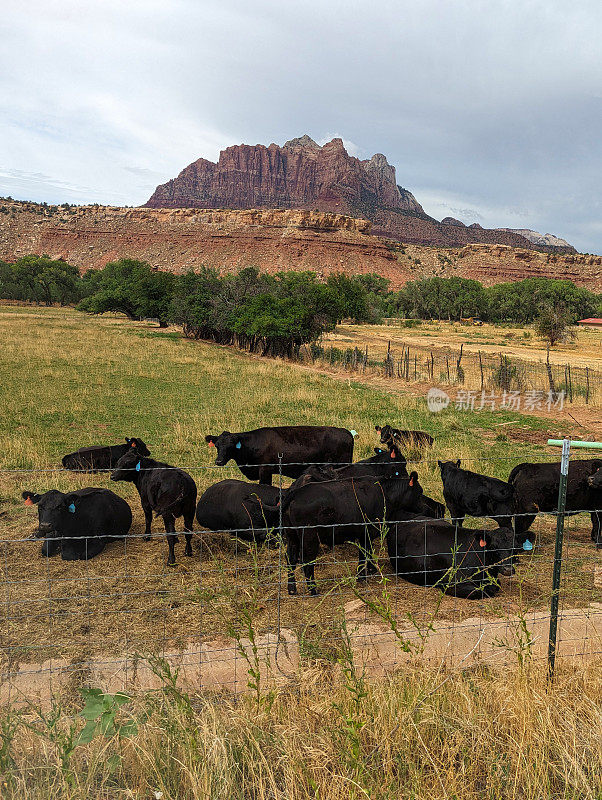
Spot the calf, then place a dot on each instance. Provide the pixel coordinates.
(333, 512)
(256, 452)
(463, 562)
(237, 506)
(536, 489)
(79, 524)
(389, 436)
(477, 495)
(102, 457)
(168, 491)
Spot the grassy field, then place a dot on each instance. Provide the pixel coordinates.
(329, 732)
(70, 380)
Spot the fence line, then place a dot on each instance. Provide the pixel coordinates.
(73, 614)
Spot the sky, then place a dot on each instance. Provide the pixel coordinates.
(490, 110)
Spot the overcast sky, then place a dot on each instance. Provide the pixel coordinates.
(490, 110)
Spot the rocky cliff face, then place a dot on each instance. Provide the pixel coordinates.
(301, 174)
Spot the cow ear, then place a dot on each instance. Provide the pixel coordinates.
(70, 500)
(127, 440)
(458, 463)
(209, 438)
(440, 464)
(30, 498)
(377, 428)
(413, 478)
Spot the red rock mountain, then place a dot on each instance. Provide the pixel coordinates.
(303, 175)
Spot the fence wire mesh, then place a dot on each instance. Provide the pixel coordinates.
(225, 615)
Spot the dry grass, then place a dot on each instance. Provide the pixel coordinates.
(332, 735)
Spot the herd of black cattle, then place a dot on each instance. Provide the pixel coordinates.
(332, 500)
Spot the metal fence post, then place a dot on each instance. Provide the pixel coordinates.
(564, 471)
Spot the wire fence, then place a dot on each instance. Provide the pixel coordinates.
(427, 590)
(495, 373)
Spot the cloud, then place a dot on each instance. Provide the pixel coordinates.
(489, 108)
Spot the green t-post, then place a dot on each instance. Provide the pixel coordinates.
(564, 471)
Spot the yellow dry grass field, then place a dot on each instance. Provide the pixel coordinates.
(70, 380)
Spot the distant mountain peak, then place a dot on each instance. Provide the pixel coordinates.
(302, 174)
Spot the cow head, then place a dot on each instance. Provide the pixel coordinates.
(54, 510)
(129, 466)
(138, 445)
(446, 466)
(386, 433)
(499, 548)
(228, 445)
(595, 481)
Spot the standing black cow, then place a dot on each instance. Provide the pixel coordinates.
(536, 488)
(99, 457)
(256, 452)
(237, 506)
(477, 495)
(463, 562)
(333, 512)
(79, 524)
(168, 491)
(389, 436)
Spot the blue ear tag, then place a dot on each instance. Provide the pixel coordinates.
(397, 473)
(72, 508)
(353, 433)
(238, 445)
(527, 545)
(138, 467)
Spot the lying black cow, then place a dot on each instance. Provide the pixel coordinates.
(168, 491)
(232, 505)
(256, 452)
(463, 562)
(79, 524)
(390, 436)
(477, 495)
(99, 457)
(536, 489)
(333, 512)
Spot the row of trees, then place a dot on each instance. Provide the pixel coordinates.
(276, 314)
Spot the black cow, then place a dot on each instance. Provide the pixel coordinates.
(168, 491)
(99, 457)
(333, 512)
(536, 488)
(232, 505)
(477, 495)
(463, 562)
(79, 524)
(389, 435)
(256, 452)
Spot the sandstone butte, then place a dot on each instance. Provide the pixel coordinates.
(303, 174)
(270, 239)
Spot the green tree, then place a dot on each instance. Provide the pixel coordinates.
(552, 324)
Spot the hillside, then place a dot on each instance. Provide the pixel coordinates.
(273, 240)
(301, 174)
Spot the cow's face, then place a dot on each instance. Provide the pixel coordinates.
(500, 548)
(138, 445)
(54, 509)
(595, 481)
(128, 466)
(227, 444)
(386, 433)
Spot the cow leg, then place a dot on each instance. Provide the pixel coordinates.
(50, 547)
(596, 528)
(188, 526)
(170, 529)
(457, 514)
(292, 557)
(265, 475)
(148, 518)
(310, 545)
